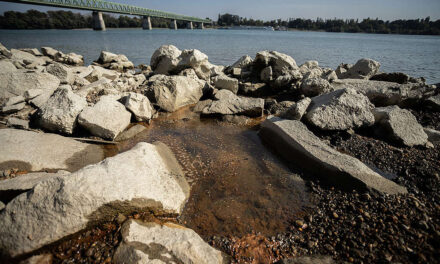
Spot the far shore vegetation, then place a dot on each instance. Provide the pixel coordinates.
(33, 19)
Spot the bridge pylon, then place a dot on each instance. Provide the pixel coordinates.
(98, 21)
(146, 23)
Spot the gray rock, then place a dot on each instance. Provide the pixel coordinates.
(2, 205)
(253, 89)
(14, 100)
(165, 59)
(399, 125)
(70, 58)
(315, 86)
(7, 66)
(39, 259)
(140, 106)
(33, 51)
(33, 151)
(10, 109)
(4, 51)
(230, 104)
(174, 92)
(282, 108)
(18, 123)
(26, 58)
(243, 63)
(433, 102)
(225, 82)
(105, 119)
(363, 69)
(41, 99)
(151, 180)
(16, 83)
(281, 64)
(397, 77)
(299, 109)
(60, 112)
(64, 74)
(386, 93)
(131, 132)
(297, 144)
(50, 52)
(266, 74)
(340, 110)
(25, 182)
(114, 61)
(155, 243)
(97, 86)
(32, 93)
(433, 135)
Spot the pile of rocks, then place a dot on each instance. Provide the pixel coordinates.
(52, 92)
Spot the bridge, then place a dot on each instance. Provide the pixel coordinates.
(99, 6)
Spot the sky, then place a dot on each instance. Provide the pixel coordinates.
(274, 9)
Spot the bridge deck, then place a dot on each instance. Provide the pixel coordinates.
(104, 6)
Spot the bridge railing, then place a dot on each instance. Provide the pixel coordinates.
(111, 7)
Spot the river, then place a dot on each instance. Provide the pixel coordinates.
(418, 56)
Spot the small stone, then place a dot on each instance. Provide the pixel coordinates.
(335, 215)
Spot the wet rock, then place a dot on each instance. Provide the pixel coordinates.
(60, 112)
(386, 93)
(151, 242)
(140, 106)
(399, 125)
(340, 110)
(63, 73)
(225, 82)
(315, 87)
(433, 103)
(131, 132)
(308, 260)
(105, 119)
(230, 104)
(16, 83)
(55, 208)
(7, 66)
(174, 92)
(10, 109)
(33, 151)
(114, 61)
(299, 109)
(25, 182)
(363, 69)
(433, 135)
(18, 123)
(300, 146)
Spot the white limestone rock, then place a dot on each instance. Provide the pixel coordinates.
(140, 106)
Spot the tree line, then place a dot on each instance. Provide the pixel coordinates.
(411, 26)
(33, 19)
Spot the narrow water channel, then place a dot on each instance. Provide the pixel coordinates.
(238, 186)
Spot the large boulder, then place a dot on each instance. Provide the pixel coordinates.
(363, 69)
(165, 59)
(146, 177)
(174, 92)
(228, 103)
(63, 73)
(18, 82)
(106, 119)
(33, 151)
(155, 243)
(340, 110)
(281, 63)
(225, 82)
(7, 66)
(387, 93)
(26, 58)
(399, 125)
(315, 86)
(60, 112)
(140, 106)
(298, 145)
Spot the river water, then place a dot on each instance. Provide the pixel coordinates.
(418, 56)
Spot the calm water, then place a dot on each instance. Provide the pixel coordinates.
(415, 55)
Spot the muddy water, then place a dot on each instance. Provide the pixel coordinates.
(237, 185)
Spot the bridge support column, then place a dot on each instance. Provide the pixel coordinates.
(146, 23)
(98, 21)
(200, 25)
(190, 25)
(173, 24)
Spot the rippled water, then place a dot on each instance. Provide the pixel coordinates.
(415, 55)
(237, 185)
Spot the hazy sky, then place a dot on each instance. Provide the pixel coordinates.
(273, 9)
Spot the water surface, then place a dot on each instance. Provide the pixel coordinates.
(415, 55)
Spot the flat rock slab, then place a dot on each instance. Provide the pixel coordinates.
(230, 104)
(33, 151)
(18, 82)
(298, 145)
(147, 177)
(168, 243)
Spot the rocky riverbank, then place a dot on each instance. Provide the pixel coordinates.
(365, 143)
